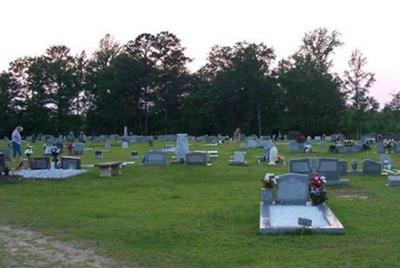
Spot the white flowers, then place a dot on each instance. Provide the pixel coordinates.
(270, 177)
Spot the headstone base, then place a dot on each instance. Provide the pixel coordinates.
(323, 219)
(339, 182)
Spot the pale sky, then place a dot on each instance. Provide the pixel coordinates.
(28, 27)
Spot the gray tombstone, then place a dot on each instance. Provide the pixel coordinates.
(386, 162)
(79, 148)
(238, 157)
(2, 162)
(343, 167)
(357, 148)
(397, 147)
(196, 158)
(68, 162)
(300, 166)
(98, 154)
(155, 158)
(379, 148)
(107, 146)
(371, 167)
(251, 144)
(295, 147)
(314, 164)
(40, 163)
(329, 167)
(7, 155)
(182, 146)
(293, 189)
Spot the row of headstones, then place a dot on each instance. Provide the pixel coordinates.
(380, 149)
(160, 158)
(333, 168)
(67, 162)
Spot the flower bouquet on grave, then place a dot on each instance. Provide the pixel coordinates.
(269, 181)
(317, 192)
(55, 151)
(28, 152)
(280, 160)
(348, 143)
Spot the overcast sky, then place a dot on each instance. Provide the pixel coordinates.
(28, 27)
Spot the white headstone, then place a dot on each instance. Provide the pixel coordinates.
(273, 155)
(125, 145)
(182, 147)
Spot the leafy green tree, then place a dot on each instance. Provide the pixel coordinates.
(172, 88)
(357, 83)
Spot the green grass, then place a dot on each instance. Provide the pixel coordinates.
(195, 216)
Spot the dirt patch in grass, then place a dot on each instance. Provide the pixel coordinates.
(353, 194)
(24, 248)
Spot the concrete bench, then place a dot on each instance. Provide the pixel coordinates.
(107, 169)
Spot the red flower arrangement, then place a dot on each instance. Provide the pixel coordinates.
(317, 193)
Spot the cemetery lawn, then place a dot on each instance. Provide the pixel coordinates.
(197, 216)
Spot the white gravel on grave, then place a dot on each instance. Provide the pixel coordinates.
(49, 173)
(287, 216)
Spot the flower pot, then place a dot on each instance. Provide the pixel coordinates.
(267, 195)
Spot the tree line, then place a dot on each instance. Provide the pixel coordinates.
(146, 85)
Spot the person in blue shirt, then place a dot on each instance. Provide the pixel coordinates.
(16, 141)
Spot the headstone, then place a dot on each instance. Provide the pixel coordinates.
(107, 146)
(293, 189)
(371, 167)
(7, 155)
(125, 145)
(182, 146)
(273, 155)
(134, 155)
(386, 162)
(70, 162)
(196, 158)
(98, 154)
(300, 166)
(155, 158)
(380, 149)
(251, 144)
(329, 167)
(295, 147)
(40, 163)
(397, 147)
(79, 148)
(354, 165)
(393, 181)
(238, 157)
(343, 167)
(47, 150)
(2, 162)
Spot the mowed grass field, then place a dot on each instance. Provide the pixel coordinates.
(204, 216)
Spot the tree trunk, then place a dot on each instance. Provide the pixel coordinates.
(259, 120)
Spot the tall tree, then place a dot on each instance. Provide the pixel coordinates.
(318, 45)
(172, 88)
(357, 83)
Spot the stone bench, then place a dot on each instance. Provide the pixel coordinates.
(107, 169)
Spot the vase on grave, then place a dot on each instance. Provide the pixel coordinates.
(267, 195)
(354, 165)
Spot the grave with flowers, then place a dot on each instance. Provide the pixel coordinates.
(294, 202)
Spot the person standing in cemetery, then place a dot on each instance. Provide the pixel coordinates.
(16, 141)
